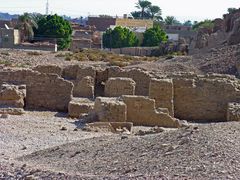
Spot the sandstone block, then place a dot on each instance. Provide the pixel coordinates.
(79, 106)
(110, 110)
(116, 87)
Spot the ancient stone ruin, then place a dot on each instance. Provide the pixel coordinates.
(113, 97)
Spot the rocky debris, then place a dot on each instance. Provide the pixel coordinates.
(11, 111)
(113, 127)
(233, 112)
(154, 130)
(206, 153)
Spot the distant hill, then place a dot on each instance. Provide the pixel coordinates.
(7, 16)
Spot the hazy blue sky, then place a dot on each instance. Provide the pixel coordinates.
(182, 9)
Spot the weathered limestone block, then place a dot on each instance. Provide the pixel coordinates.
(49, 69)
(12, 96)
(162, 91)
(84, 87)
(141, 111)
(79, 106)
(110, 110)
(233, 112)
(116, 87)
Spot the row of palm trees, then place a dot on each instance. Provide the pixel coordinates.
(147, 10)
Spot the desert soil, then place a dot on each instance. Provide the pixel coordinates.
(216, 60)
(47, 145)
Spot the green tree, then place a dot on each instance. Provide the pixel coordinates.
(155, 12)
(232, 10)
(26, 24)
(138, 15)
(119, 37)
(188, 23)
(171, 20)
(54, 27)
(154, 36)
(143, 5)
(203, 24)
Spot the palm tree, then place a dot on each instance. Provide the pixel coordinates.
(143, 5)
(155, 12)
(171, 20)
(26, 25)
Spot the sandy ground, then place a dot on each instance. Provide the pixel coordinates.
(36, 146)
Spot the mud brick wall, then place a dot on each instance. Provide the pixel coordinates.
(162, 91)
(46, 91)
(142, 78)
(205, 98)
(116, 87)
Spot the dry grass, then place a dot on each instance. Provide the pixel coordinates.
(98, 55)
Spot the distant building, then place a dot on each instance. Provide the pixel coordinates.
(9, 37)
(85, 37)
(176, 32)
(103, 23)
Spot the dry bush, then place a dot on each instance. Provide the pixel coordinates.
(34, 53)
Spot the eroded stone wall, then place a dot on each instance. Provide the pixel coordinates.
(47, 91)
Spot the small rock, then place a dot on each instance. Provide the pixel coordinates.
(24, 148)
(30, 177)
(75, 129)
(63, 128)
(124, 137)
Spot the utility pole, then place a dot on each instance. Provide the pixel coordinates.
(47, 7)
